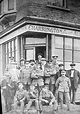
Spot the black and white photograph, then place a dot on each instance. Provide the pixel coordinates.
(40, 56)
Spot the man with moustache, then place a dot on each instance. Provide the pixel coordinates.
(74, 76)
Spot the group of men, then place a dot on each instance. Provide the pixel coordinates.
(41, 83)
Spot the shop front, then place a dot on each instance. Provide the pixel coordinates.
(29, 40)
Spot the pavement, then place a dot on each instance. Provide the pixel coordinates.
(74, 109)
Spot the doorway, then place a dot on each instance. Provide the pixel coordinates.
(40, 49)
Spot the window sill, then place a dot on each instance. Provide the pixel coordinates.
(59, 8)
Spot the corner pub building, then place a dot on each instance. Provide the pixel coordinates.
(24, 34)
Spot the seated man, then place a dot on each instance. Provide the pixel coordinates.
(20, 97)
(33, 98)
(47, 97)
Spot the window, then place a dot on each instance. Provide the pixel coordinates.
(7, 6)
(10, 4)
(1, 7)
(29, 54)
(11, 50)
(76, 50)
(59, 47)
(60, 3)
(68, 51)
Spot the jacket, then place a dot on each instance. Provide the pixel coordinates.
(76, 77)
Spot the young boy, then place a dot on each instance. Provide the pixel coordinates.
(33, 98)
(63, 84)
(20, 97)
(47, 98)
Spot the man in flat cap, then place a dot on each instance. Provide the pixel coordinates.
(54, 70)
(25, 74)
(74, 76)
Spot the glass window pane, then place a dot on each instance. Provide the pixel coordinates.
(58, 42)
(29, 54)
(59, 52)
(67, 65)
(68, 55)
(15, 55)
(10, 4)
(77, 56)
(9, 54)
(12, 45)
(77, 67)
(6, 59)
(9, 46)
(68, 43)
(76, 44)
(15, 44)
(6, 48)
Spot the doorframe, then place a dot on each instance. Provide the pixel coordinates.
(32, 46)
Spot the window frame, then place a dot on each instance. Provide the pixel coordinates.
(9, 9)
(11, 51)
(5, 7)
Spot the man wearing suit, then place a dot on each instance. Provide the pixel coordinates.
(58, 74)
(74, 76)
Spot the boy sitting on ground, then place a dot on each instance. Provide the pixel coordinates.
(47, 98)
(33, 98)
(20, 97)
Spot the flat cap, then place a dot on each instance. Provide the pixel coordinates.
(61, 65)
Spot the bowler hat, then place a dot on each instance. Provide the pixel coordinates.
(72, 64)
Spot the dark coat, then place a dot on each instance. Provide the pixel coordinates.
(76, 77)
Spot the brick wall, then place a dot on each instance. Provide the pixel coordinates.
(38, 8)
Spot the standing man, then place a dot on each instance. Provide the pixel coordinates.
(74, 76)
(47, 71)
(40, 60)
(63, 84)
(54, 70)
(58, 74)
(25, 74)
